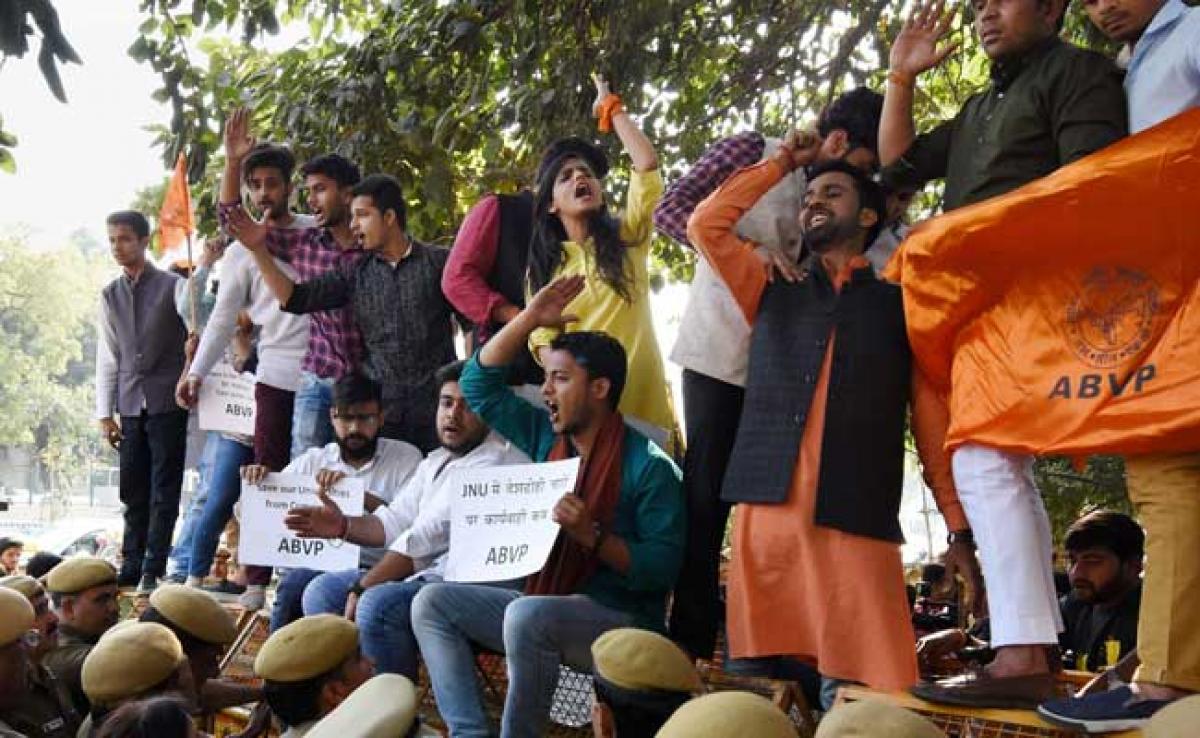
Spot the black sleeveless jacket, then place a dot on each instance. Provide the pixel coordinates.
(862, 454)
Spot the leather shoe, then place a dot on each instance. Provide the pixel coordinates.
(979, 689)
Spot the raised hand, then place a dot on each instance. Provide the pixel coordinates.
(799, 148)
(238, 139)
(547, 306)
(602, 91)
(916, 50)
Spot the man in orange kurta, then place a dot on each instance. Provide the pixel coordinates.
(818, 461)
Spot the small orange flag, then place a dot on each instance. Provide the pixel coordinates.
(175, 220)
(1064, 317)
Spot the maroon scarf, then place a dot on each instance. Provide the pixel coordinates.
(599, 485)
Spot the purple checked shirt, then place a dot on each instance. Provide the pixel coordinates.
(716, 165)
(335, 346)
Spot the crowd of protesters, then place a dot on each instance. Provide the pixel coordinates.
(801, 380)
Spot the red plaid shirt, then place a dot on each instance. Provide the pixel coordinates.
(708, 173)
(335, 346)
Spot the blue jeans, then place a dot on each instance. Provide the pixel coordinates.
(224, 488)
(288, 595)
(384, 623)
(536, 633)
(181, 554)
(311, 426)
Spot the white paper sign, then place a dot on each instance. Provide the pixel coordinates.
(266, 541)
(500, 525)
(226, 401)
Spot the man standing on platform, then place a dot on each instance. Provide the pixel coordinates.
(139, 357)
(1049, 104)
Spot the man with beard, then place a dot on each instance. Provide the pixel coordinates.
(358, 452)
(47, 710)
(416, 528)
(1100, 613)
(395, 292)
(334, 344)
(818, 462)
(266, 171)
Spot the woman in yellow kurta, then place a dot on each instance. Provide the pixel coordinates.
(574, 233)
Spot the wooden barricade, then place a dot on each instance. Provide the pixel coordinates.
(961, 722)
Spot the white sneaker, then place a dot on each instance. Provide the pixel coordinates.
(254, 598)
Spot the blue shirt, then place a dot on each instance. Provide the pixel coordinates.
(650, 513)
(1164, 74)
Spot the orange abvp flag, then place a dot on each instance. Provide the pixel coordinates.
(1063, 317)
(175, 219)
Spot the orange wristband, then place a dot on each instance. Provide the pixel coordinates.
(610, 106)
(901, 79)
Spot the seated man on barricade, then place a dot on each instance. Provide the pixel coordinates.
(619, 549)
(1100, 613)
(384, 465)
(416, 528)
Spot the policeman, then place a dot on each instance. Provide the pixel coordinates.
(47, 710)
(309, 667)
(132, 661)
(16, 620)
(724, 714)
(83, 592)
(205, 630)
(640, 679)
(875, 717)
(385, 706)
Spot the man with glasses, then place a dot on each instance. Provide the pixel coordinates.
(383, 464)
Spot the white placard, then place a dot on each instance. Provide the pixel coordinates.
(226, 401)
(500, 525)
(266, 541)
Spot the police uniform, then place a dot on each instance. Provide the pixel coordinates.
(48, 711)
(72, 577)
(867, 718)
(128, 662)
(722, 714)
(16, 618)
(385, 706)
(304, 649)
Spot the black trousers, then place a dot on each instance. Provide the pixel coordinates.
(712, 409)
(153, 448)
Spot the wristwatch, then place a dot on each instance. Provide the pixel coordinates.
(961, 536)
(357, 589)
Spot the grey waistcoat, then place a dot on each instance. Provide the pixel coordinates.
(149, 341)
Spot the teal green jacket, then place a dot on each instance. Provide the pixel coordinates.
(650, 513)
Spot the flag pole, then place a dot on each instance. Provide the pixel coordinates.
(191, 286)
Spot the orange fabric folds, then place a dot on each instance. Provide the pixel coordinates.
(175, 220)
(1063, 317)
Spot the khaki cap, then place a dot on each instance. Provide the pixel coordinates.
(306, 648)
(867, 718)
(84, 572)
(27, 586)
(636, 659)
(384, 706)
(16, 615)
(724, 714)
(128, 660)
(1177, 720)
(195, 612)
